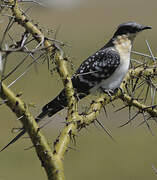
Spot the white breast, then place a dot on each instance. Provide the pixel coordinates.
(114, 81)
(117, 77)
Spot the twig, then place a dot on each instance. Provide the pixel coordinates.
(142, 54)
(149, 48)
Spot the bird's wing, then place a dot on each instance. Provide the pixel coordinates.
(96, 68)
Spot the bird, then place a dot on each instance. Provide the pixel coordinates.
(104, 70)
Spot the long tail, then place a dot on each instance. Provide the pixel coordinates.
(49, 109)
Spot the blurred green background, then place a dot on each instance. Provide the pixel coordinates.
(86, 27)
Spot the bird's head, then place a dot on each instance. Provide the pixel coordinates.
(130, 29)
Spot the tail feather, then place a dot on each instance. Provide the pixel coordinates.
(14, 140)
(51, 108)
(48, 110)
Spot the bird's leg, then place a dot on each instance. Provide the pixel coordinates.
(109, 92)
(119, 88)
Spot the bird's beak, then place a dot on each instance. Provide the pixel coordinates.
(145, 27)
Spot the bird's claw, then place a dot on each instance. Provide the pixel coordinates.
(119, 88)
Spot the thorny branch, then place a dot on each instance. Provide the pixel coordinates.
(137, 90)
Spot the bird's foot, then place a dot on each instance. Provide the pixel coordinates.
(110, 92)
(119, 88)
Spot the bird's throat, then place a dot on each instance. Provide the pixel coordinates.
(123, 44)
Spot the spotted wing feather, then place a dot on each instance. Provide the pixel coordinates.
(96, 68)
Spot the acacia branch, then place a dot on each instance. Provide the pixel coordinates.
(96, 106)
(53, 167)
(61, 144)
